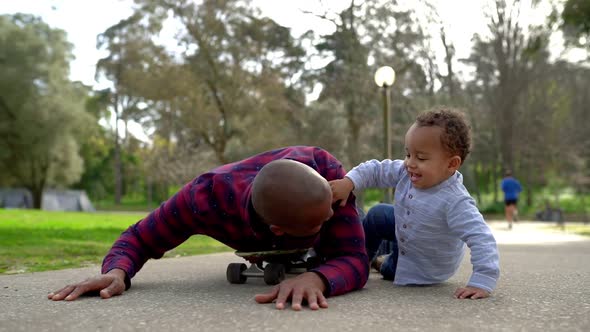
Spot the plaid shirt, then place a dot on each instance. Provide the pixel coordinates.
(218, 204)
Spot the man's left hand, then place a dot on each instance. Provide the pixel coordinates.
(471, 293)
(306, 286)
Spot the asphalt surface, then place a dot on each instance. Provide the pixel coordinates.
(544, 286)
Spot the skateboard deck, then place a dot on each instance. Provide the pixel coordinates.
(284, 255)
(272, 265)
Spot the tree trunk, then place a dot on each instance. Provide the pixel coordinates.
(150, 192)
(117, 166)
(528, 190)
(472, 172)
(38, 178)
(117, 169)
(219, 153)
(353, 158)
(495, 181)
(37, 194)
(449, 54)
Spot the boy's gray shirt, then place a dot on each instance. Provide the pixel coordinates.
(432, 226)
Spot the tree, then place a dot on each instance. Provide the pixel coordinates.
(375, 32)
(576, 22)
(505, 65)
(572, 120)
(234, 79)
(129, 59)
(347, 78)
(96, 149)
(41, 111)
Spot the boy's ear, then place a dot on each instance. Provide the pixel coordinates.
(276, 230)
(454, 163)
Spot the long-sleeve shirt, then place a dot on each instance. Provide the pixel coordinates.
(218, 204)
(432, 226)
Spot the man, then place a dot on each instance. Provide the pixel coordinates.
(276, 200)
(511, 188)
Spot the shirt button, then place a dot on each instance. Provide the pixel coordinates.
(408, 213)
(403, 240)
(403, 253)
(405, 226)
(410, 195)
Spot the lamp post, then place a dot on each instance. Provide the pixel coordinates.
(384, 78)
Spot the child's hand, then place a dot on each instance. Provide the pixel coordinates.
(341, 189)
(471, 293)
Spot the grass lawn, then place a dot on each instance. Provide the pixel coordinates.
(32, 241)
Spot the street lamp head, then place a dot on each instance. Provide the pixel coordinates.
(385, 76)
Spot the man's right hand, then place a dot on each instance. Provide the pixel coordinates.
(109, 284)
(341, 189)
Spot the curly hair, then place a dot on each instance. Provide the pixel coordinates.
(456, 136)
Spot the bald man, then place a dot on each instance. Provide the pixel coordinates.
(277, 200)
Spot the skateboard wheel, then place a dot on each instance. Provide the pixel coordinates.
(274, 273)
(234, 273)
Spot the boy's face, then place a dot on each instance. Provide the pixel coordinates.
(427, 161)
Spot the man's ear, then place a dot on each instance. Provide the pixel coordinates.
(276, 230)
(454, 163)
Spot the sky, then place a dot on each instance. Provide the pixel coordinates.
(83, 20)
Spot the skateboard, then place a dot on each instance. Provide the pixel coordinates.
(271, 265)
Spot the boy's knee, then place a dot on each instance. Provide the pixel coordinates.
(379, 210)
(378, 215)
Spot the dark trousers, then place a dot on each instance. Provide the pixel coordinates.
(379, 227)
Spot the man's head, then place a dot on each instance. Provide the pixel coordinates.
(437, 144)
(292, 198)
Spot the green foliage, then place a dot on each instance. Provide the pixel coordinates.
(38, 240)
(97, 178)
(576, 19)
(496, 208)
(575, 204)
(237, 86)
(571, 204)
(232, 82)
(373, 196)
(363, 40)
(42, 118)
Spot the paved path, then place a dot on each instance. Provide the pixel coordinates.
(544, 286)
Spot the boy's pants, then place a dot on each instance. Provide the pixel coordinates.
(379, 225)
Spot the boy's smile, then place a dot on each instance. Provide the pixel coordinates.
(427, 161)
(414, 177)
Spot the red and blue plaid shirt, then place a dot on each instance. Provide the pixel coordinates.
(218, 204)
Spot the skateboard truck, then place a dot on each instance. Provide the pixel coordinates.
(271, 265)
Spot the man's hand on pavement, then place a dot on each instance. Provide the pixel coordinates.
(306, 286)
(108, 285)
(469, 292)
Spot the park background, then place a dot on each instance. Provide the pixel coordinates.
(183, 86)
